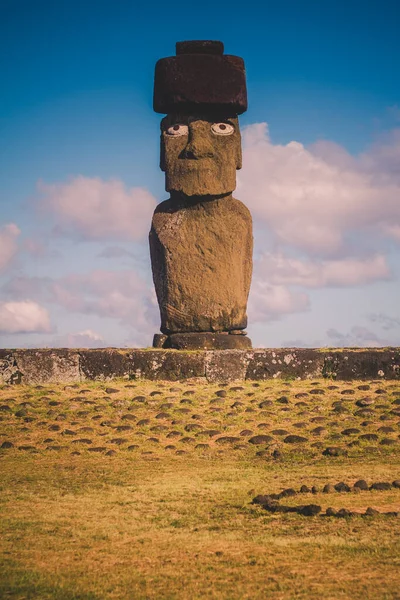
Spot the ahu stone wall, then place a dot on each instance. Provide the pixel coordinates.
(40, 366)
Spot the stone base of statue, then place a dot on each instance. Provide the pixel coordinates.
(234, 340)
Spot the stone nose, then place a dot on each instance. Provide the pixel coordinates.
(198, 146)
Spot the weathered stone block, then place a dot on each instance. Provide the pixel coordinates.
(104, 364)
(43, 366)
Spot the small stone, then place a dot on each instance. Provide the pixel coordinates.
(295, 439)
(261, 439)
(283, 400)
(371, 512)
(139, 399)
(129, 417)
(111, 453)
(6, 445)
(329, 488)
(331, 512)
(350, 431)
(315, 489)
(246, 432)
(342, 487)
(261, 499)
(365, 402)
(388, 442)
(118, 441)
(318, 430)
(21, 413)
(202, 446)
(381, 486)
(363, 387)
(343, 513)
(305, 489)
(361, 484)
(82, 441)
(287, 493)
(97, 449)
(265, 403)
(277, 454)
(309, 510)
(279, 432)
(210, 432)
(334, 451)
(221, 393)
(386, 429)
(317, 392)
(369, 437)
(123, 428)
(396, 483)
(347, 392)
(227, 440)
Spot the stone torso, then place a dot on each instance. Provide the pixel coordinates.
(202, 264)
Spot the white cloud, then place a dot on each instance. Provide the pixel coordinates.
(23, 317)
(385, 321)
(95, 209)
(359, 337)
(312, 199)
(269, 302)
(278, 269)
(82, 339)
(8, 243)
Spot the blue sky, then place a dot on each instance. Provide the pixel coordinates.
(76, 113)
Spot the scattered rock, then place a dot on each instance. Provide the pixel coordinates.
(350, 431)
(309, 510)
(227, 440)
(261, 439)
(329, 488)
(331, 512)
(334, 451)
(295, 439)
(342, 487)
(369, 437)
(361, 484)
(381, 486)
(371, 512)
(6, 445)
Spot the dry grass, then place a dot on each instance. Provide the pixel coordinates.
(152, 522)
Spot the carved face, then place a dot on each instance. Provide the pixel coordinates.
(200, 155)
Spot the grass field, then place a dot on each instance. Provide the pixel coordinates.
(131, 490)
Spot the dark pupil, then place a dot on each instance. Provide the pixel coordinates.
(222, 126)
(176, 127)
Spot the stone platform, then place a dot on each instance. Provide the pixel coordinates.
(40, 366)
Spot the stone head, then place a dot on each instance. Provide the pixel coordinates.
(202, 91)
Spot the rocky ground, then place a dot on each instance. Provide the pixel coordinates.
(231, 467)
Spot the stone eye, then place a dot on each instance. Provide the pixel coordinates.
(178, 129)
(222, 128)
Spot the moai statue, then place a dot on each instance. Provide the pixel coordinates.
(201, 239)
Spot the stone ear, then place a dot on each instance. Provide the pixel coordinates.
(238, 157)
(162, 153)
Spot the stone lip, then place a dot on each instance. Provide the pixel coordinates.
(38, 366)
(207, 341)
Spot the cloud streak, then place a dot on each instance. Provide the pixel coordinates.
(8, 244)
(24, 317)
(93, 209)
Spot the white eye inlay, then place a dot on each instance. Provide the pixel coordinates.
(178, 129)
(222, 128)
